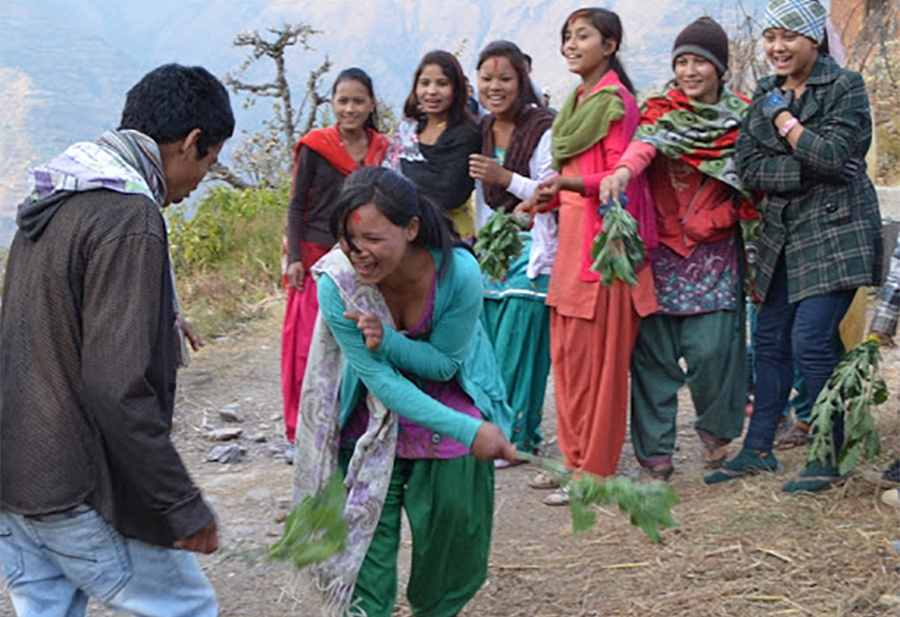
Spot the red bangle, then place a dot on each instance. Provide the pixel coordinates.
(787, 126)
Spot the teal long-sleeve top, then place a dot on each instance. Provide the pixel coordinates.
(456, 347)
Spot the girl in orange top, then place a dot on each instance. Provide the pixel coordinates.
(592, 328)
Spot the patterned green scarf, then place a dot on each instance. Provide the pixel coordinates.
(701, 135)
(579, 126)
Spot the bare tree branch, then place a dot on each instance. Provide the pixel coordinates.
(265, 160)
(312, 96)
(747, 65)
(220, 171)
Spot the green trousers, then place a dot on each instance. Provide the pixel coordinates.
(450, 507)
(714, 349)
(519, 331)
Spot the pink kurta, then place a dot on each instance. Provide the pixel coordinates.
(593, 328)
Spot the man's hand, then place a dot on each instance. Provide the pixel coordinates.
(490, 443)
(295, 275)
(192, 336)
(205, 540)
(371, 327)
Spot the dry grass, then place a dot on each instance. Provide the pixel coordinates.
(743, 549)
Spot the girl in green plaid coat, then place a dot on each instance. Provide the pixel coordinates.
(803, 144)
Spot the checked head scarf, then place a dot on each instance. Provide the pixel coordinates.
(806, 17)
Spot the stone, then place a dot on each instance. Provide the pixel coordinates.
(887, 600)
(231, 413)
(232, 453)
(259, 495)
(224, 434)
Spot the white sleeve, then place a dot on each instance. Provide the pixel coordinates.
(482, 210)
(545, 231)
(539, 169)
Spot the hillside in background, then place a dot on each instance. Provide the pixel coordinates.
(65, 65)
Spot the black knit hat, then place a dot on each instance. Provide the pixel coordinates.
(704, 38)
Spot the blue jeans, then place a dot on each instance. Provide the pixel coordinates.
(805, 331)
(53, 563)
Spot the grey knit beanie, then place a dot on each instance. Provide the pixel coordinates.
(704, 38)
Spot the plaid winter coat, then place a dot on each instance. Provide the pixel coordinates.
(828, 229)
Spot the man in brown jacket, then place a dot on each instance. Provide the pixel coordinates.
(94, 499)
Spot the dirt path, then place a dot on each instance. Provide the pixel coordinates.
(744, 549)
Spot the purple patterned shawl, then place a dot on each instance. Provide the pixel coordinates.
(318, 440)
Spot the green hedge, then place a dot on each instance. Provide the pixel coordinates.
(228, 255)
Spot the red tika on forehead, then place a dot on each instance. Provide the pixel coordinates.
(356, 217)
(582, 14)
(496, 63)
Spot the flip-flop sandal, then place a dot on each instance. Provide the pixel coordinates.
(544, 481)
(557, 498)
(714, 456)
(504, 464)
(794, 436)
(661, 473)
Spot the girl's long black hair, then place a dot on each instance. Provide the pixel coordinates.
(399, 201)
(449, 65)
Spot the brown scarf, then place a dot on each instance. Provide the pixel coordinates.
(533, 122)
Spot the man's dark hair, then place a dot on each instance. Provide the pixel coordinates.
(172, 100)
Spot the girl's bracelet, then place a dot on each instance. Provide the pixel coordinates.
(787, 126)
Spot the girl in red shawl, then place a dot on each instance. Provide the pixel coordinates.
(322, 159)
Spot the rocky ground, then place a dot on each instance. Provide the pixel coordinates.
(742, 549)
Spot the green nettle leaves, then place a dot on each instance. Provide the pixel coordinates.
(853, 388)
(649, 504)
(498, 245)
(315, 529)
(618, 249)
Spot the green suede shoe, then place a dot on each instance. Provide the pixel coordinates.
(748, 462)
(814, 477)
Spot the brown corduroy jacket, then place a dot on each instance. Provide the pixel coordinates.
(87, 372)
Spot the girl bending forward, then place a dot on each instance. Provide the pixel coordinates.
(418, 411)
